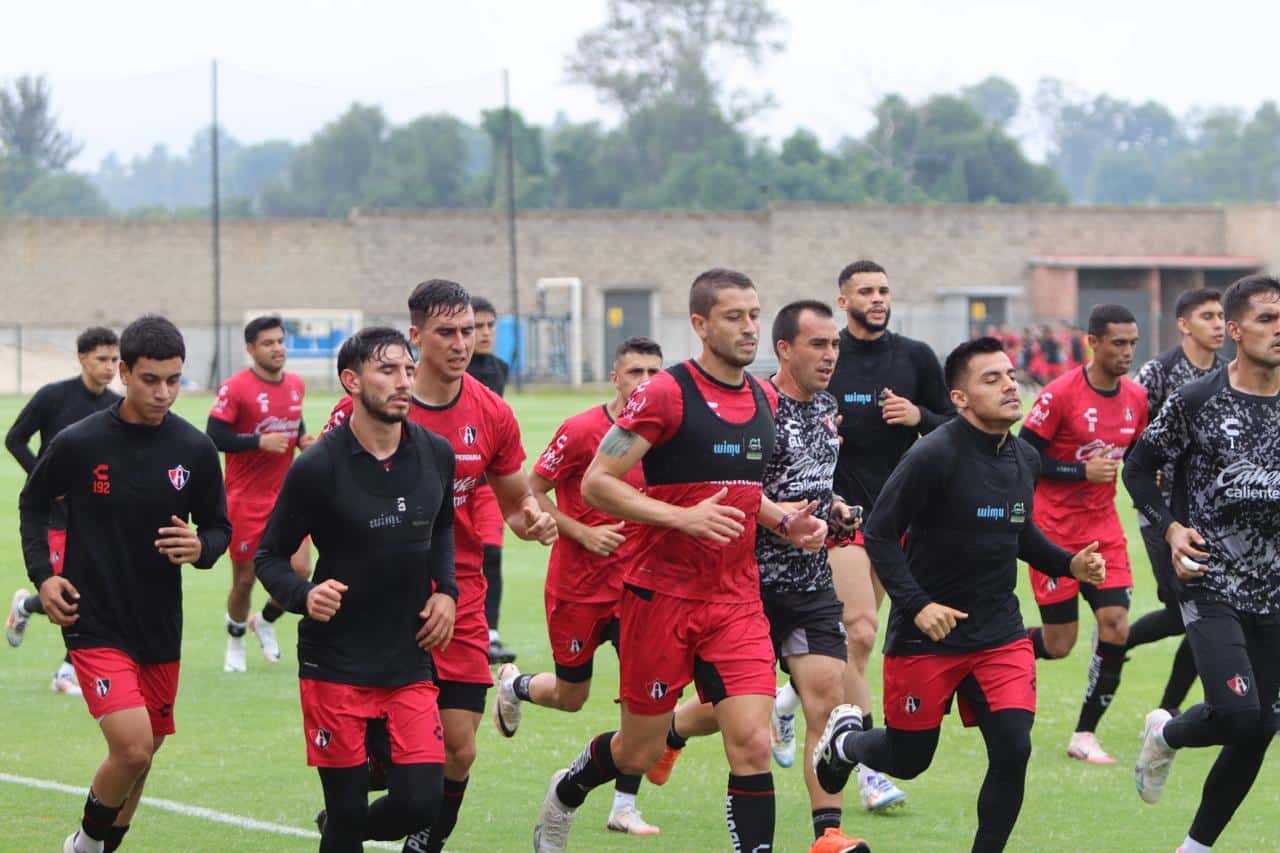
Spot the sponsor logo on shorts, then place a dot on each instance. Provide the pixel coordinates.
(103, 686)
(1238, 684)
(911, 704)
(657, 690)
(178, 477)
(320, 737)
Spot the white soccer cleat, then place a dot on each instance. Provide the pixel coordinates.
(1084, 746)
(832, 768)
(66, 682)
(266, 633)
(234, 660)
(629, 820)
(77, 842)
(506, 708)
(879, 794)
(782, 736)
(1154, 759)
(555, 819)
(15, 627)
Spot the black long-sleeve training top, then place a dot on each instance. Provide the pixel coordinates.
(963, 498)
(382, 527)
(122, 482)
(871, 448)
(227, 440)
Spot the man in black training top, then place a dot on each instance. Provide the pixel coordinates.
(55, 407)
(129, 477)
(376, 495)
(1222, 434)
(955, 630)
(492, 373)
(1203, 328)
(890, 391)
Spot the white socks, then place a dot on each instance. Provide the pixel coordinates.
(1193, 846)
(787, 700)
(621, 800)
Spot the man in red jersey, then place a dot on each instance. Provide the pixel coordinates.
(1082, 423)
(690, 608)
(256, 421)
(584, 576)
(486, 442)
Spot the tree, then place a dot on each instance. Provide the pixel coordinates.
(422, 164)
(28, 128)
(995, 98)
(59, 194)
(326, 175)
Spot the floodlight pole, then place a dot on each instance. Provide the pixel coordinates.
(215, 370)
(516, 366)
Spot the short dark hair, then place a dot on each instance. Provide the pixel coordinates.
(957, 365)
(480, 305)
(367, 344)
(1236, 300)
(639, 344)
(261, 324)
(151, 336)
(436, 296)
(856, 267)
(1102, 316)
(706, 288)
(95, 336)
(1193, 299)
(786, 325)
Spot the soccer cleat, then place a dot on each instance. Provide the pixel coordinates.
(266, 633)
(499, 653)
(78, 843)
(1084, 746)
(782, 737)
(555, 819)
(506, 709)
(65, 682)
(15, 627)
(835, 841)
(832, 768)
(234, 660)
(659, 773)
(322, 820)
(1154, 759)
(628, 819)
(879, 794)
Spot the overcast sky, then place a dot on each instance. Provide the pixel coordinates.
(130, 73)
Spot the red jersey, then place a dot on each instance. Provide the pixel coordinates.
(1077, 421)
(254, 406)
(574, 573)
(485, 437)
(730, 433)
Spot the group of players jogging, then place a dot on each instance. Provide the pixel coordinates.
(705, 522)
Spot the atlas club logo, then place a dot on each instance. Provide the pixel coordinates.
(468, 434)
(103, 686)
(1238, 684)
(656, 690)
(911, 704)
(178, 477)
(321, 737)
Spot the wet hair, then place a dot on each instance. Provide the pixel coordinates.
(956, 368)
(151, 336)
(95, 336)
(436, 296)
(787, 324)
(258, 325)
(706, 288)
(856, 267)
(1191, 300)
(1236, 300)
(368, 344)
(639, 344)
(1104, 315)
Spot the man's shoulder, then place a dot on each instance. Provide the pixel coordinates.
(1198, 392)
(916, 348)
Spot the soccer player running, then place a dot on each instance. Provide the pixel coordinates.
(690, 610)
(1081, 424)
(485, 437)
(890, 391)
(805, 617)
(256, 420)
(130, 477)
(1203, 328)
(1222, 434)
(493, 372)
(52, 409)
(584, 575)
(377, 498)
(965, 493)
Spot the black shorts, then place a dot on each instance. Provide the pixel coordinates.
(461, 695)
(1237, 655)
(806, 623)
(1161, 557)
(1066, 612)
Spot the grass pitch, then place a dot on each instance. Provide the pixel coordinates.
(239, 747)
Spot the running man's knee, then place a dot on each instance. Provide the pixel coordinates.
(861, 628)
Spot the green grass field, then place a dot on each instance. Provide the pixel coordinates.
(239, 747)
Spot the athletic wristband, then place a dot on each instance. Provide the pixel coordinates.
(783, 522)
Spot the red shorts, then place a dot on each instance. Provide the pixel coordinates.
(918, 688)
(248, 523)
(487, 516)
(334, 717)
(577, 629)
(112, 681)
(1054, 590)
(57, 549)
(467, 657)
(667, 642)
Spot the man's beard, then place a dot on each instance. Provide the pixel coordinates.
(379, 411)
(860, 318)
(730, 356)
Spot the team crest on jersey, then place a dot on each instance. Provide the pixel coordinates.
(656, 690)
(1238, 684)
(178, 477)
(468, 434)
(103, 686)
(321, 737)
(911, 704)
(295, 395)
(1128, 414)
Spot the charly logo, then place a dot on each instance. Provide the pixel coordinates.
(264, 402)
(1231, 429)
(755, 449)
(1091, 417)
(1018, 514)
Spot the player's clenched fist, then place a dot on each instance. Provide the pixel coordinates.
(938, 620)
(325, 599)
(1089, 566)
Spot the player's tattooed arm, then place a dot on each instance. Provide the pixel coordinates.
(617, 441)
